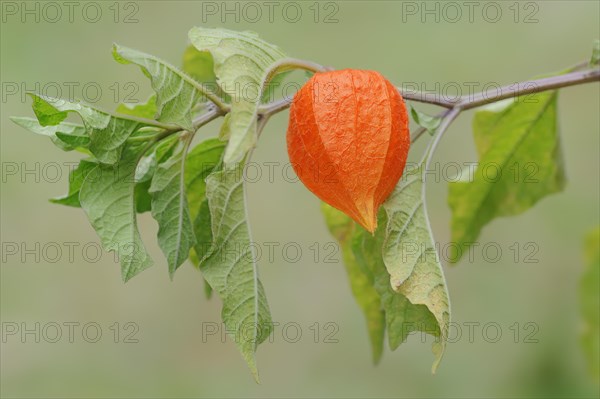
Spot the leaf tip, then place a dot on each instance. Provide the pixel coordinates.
(377, 355)
(254, 371)
(172, 274)
(396, 282)
(116, 53)
(438, 349)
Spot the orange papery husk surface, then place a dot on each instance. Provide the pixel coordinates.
(348, 140)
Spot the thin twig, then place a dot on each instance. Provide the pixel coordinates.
(529, 87)
(453, 107)
(478, 99)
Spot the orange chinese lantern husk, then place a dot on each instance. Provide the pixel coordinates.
(348, 140)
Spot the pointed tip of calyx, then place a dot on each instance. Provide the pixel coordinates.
(369, 223)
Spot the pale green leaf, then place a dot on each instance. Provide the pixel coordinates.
(65, 135)
(146, 167)
(170, 209)
(342, 228)
(200, 66)
(76, 178)
(176, 93)
(73, 141)
(589, 294)
(107, 196)
(143, 199)
(230, 266)
(243, 64)
(410, 256)
(401, 316)
(143, 110)
(201, 162)
(520, 162)
(107, 133)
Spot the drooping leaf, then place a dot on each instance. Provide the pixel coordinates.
(76, 178)
(410, 255)
(230, 266)
(170, 209)
(342, 228)
(520, 162)
(107, 133)
(430, 123)
(401, 316)
(107, 196)
(176, 93)
(243, 65)
(65, 135)
(202, 229)
(589, 294)
(201, 162)
(145, 169)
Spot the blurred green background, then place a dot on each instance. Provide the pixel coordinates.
(170, 358)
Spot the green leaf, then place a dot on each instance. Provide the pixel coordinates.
(243, 64)
(271, 87)
(410, 256)
(176, 93)
(589, 294)
(595, 59)
(430, 123)
(520, 162)
(230, 266)
(342, 228)
(401, 316)
(107, 133)
(143, 110)
(170, 208)
(76, 178)
(143, 199)
(202, 229)
(72, 141)
(107, 196)
(201, 162)
(65, 135)
(146, 168)
(207, 290)
(200, 66)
